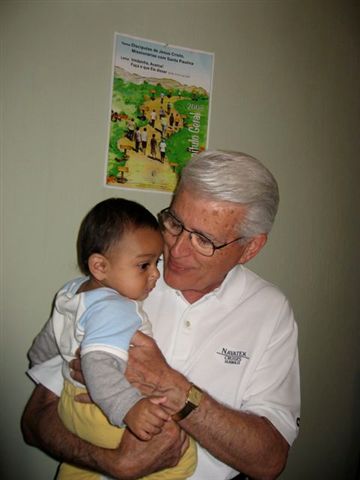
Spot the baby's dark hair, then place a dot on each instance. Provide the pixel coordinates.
(104, 225)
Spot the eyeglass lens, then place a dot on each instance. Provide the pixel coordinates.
(175, 227)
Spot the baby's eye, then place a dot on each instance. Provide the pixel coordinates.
(144, 266)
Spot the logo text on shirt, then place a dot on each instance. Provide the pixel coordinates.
(233, 356)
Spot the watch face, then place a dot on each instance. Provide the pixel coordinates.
(195, 395)
(192, 402)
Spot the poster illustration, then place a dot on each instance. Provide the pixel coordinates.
(160, 107)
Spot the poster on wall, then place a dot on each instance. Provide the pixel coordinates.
(159, 115)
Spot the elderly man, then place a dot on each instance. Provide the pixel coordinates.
(231, 374)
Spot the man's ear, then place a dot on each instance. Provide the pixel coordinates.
(98, 264)
(253, 247)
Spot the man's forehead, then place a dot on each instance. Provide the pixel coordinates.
(201, 213)
(186, 200)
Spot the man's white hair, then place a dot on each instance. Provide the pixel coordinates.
(235, 177)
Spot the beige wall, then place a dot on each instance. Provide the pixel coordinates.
(286, 89)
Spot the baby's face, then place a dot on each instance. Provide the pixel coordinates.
(132, 263)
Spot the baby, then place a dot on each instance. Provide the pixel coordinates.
(119, 246)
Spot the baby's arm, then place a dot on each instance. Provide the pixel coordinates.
(107, 386)
(108, 329)
(118, 399)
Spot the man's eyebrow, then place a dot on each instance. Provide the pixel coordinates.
(209, 236)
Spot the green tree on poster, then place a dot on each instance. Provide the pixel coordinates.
(157, 123)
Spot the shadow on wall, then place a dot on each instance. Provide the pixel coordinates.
(355, 434)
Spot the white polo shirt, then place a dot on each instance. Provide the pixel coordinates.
(239, 343)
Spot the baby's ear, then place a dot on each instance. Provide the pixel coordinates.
(98, 266)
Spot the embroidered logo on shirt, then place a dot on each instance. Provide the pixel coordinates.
(233, 356)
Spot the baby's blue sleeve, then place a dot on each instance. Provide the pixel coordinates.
(108, 324)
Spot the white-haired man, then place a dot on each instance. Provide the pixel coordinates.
(231, 374)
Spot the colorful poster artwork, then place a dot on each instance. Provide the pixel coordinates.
(160, 107)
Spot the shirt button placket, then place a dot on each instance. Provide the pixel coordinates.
(183, 341)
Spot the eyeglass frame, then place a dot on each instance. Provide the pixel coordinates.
(192, 232)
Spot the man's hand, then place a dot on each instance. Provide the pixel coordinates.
(76, 374)
(75, 368)
(148, 371)
(162, 451)
(146, 364)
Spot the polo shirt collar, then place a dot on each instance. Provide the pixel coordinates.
(229, 291)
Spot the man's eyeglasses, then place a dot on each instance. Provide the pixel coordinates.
(170, 224)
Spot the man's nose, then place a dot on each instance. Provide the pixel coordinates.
(181, 245)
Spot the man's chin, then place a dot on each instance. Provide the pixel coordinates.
(175, 280)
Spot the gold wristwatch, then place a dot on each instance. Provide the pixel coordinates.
(192, 402)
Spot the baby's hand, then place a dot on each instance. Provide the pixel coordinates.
(146, 418)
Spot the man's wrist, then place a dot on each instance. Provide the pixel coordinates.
(192, 402)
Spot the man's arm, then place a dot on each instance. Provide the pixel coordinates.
(42, 428)
(247, 442)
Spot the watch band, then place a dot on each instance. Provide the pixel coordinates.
(192, 401)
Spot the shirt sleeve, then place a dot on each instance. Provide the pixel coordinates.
(274, 391)
(108, 325)
(44, 345)
(107, 385)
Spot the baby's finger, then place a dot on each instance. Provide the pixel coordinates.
(83, 398)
